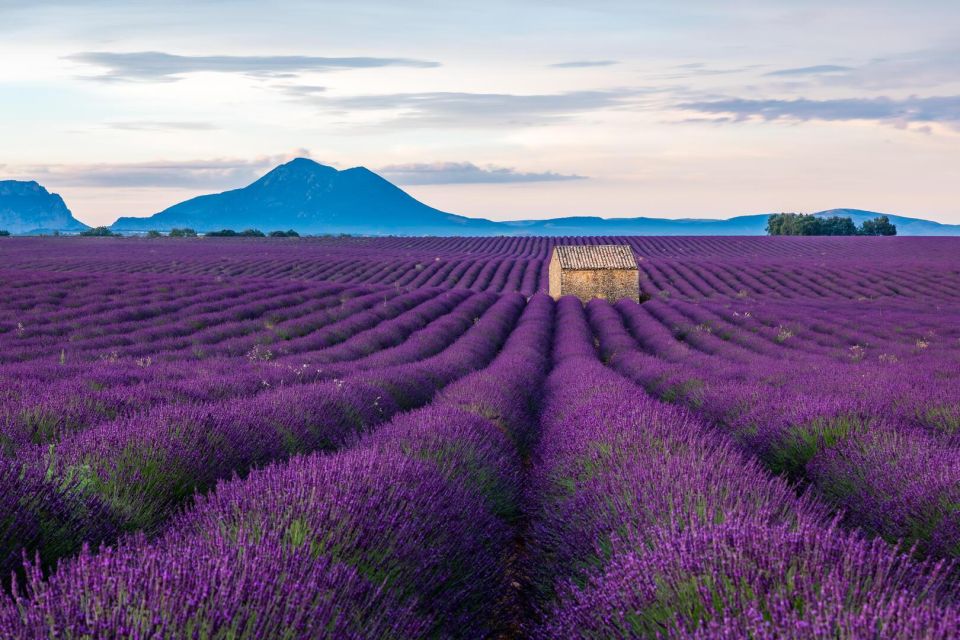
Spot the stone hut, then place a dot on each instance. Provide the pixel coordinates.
(607, 271)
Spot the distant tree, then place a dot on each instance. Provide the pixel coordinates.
(4, 233)
(290, 233)
(154, 234)
(775, 224)
(879, 226)
(792, 224)
(253, 233)
(835, 226)
(99, 232)
(185, 232)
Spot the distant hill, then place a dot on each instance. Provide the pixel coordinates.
(313, 198)
(26, 207)
(584, 225)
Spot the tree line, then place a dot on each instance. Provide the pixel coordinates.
(805, 224)
(186, 232)
(251, 233)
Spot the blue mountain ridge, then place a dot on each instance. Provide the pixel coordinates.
(316, 199)
(26, 207)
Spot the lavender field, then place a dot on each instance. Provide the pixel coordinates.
(407, 438)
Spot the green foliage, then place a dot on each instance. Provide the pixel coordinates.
(791, 224)
(185, 232)
(837, 226)
(154, 234)
(801, 442)
(290, 233)
(4, 233)
(99, 232)
(879, 226)
(804, 224)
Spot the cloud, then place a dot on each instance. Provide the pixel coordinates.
(701, 70)
(304, 90)
(810, 71)
(935, 67)
(477, 109)
(217, 173)
(578, 64)
(150, 125)
(897, 112)
(166, 67)
(466, 173)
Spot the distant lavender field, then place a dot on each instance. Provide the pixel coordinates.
(406, 438)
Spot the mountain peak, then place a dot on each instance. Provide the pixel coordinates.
(22, 187)
(306, 166)
(26, 206)
(310, 197)
(300, 166)
(294, 174)
(302, 163)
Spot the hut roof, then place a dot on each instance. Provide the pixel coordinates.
(595, 256)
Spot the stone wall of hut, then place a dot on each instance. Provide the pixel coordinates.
(587, 284)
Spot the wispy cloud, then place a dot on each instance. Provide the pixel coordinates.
(702, 70)
(814, 70)
(216, 173)
(932, 67)
(928, 68)
(465, 110)
(466, 173)
(167, 67)
(158, 125)
(897, 112)
(578, 64)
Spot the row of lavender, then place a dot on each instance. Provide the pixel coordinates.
(870, 424)
(407, 534)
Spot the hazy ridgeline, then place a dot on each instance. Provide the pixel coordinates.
(401, 437)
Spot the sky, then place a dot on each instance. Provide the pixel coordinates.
(503, 110)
